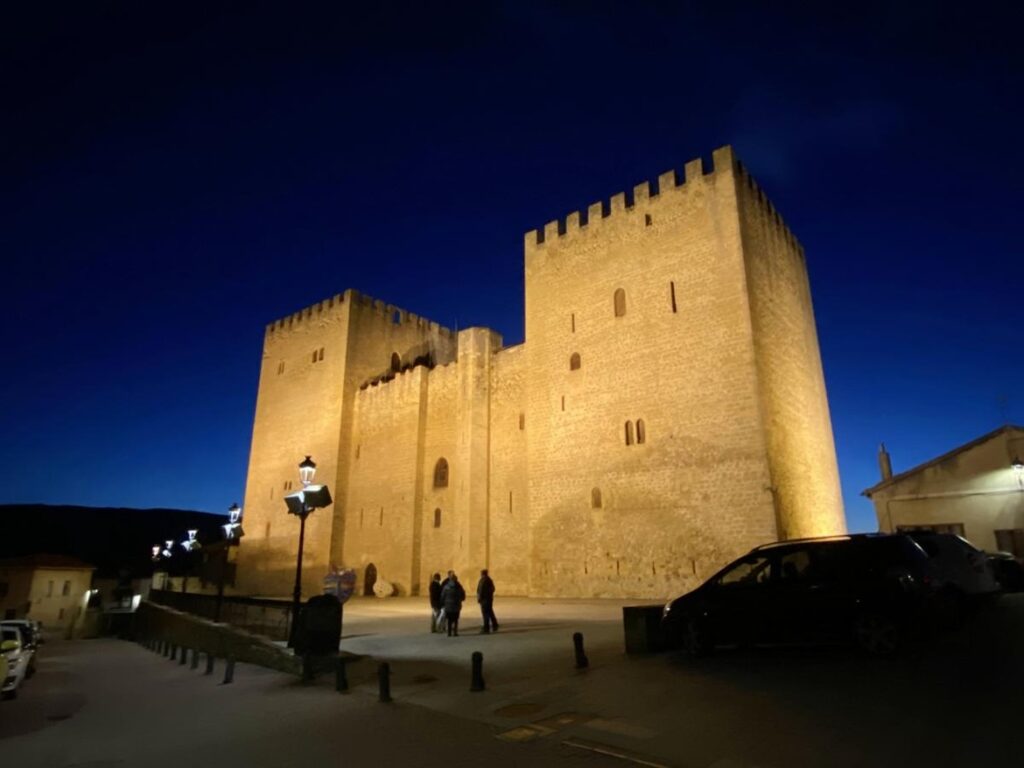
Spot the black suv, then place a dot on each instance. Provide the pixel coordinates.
(866, 588)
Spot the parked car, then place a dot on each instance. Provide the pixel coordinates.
(1008, 571)
(962, 572)
(29, 640)
(17, 661)
(871, 589)
(4, 667)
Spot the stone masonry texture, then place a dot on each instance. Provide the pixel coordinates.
(665, 413)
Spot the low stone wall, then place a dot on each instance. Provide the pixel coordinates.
(158, 623)
(262, 616)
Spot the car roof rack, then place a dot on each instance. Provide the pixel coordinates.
(808, 539)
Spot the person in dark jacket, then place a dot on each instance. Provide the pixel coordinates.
(435, 602)
(485, 596)
(451, 600)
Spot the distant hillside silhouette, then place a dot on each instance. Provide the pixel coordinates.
(111, 538)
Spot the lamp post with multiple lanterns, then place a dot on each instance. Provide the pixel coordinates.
(232, 533)
(301, 504)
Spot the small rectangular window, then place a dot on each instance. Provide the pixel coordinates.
(60, 614)
(49, 589)
(67, 589)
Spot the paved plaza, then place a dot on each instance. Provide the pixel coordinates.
(111, 703)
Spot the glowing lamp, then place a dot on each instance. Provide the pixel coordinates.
(235, 513)
(156, 552)
(307, 469)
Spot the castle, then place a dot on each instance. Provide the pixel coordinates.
(665, 413)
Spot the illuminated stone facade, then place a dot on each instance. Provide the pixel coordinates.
(666, 412)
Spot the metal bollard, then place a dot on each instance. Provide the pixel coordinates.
(581, 658)
(195, 659)
(209, 664)
(174, 652)
(184, 656)
(229, 670)
(340, 676)
(477, 683)
(384, 681)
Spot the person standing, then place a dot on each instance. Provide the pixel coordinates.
(485, 596)
(435, 602)
(451, 600)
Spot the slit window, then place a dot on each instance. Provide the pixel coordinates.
(629, 433)
(641, 432)
(437, 518)
(396, 362)
(620, 302)
(441, 473)
(595, 498)
(574, 361)
(672, 296)
(522, 421)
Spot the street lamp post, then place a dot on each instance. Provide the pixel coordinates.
(301, 504)
(191, 544)
(232, 533)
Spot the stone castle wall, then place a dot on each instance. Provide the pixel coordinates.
(801, 450)
(680, 358)
(715, 354)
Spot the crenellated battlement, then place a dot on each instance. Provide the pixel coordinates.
(771, 214)
(385, 311)
(638, 200)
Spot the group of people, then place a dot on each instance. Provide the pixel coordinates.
(446, 598)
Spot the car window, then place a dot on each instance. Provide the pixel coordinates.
(795, 566)
(750, 570)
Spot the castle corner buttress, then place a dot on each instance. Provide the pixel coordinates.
(665, 413)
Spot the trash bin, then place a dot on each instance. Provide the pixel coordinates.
(642, 625)
(319, 629)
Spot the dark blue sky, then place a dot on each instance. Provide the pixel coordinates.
(174, 179)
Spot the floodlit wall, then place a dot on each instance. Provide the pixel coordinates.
(673, 351)
(794, 404)
(666, 412)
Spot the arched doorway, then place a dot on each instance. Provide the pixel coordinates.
(369, 579)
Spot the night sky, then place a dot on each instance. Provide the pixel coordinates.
(175, 178)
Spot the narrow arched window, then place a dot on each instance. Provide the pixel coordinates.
(574, 361)
(441, 473)
(629, 433)
(396, 362)
(620, 302)
(437, 518)
(641, 433)
(595, 498)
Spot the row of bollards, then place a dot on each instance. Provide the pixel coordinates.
(476, 683)
(180, 653)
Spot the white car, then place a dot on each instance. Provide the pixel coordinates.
(18, 659)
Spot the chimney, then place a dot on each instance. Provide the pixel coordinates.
(884, 462)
